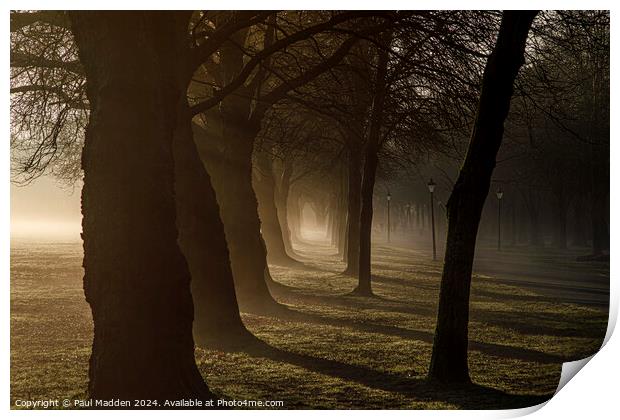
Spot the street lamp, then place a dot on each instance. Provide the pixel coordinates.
(389, 197)
(431, 188)
(499, 195)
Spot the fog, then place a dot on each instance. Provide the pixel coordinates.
(45, 210)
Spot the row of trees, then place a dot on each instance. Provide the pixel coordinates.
(201, 137)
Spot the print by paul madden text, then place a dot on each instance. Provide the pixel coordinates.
(44, 404)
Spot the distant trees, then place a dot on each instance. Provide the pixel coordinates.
(240, 114)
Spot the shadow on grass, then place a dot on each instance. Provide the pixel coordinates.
(470, 396)
(358, 302)
(491, 349)
(538, 324)
(524, 323)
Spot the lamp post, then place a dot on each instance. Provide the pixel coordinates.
(389, 197)
(499, 195)
(431, 189)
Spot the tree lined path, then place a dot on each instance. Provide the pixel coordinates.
(246, 177)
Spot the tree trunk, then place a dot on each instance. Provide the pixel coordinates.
(371, 160)
(229, 163)
(449, 358)
(271, 229)
(282, 194)
(203, 242)
(353, 213)
(135, 277)
(364, 287)
(294, 215)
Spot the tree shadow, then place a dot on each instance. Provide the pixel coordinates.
(469, 396)
(355, 301)
(397, 281)
(524, 323)
(491, 349)
(537, 324)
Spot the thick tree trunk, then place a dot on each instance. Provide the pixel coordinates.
(135, 277)
(203, 242)
(228, 159)
(353, 213)
(264, 186)
(371, 161)
(229, 163)
(449, 358)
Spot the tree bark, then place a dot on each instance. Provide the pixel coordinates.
(342, 219)
(282, 193)
(203, 242)
(264, 186)
(371, 161)
(228, 161)
(136, 280)
(449, 357)
(353, 212)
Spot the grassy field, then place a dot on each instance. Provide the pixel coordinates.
(332, 350)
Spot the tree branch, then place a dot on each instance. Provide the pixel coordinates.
(266, 52)
(29, 60)
(20, 20)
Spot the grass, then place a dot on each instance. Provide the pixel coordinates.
(333, 350)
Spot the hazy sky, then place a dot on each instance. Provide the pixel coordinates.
(45, 210)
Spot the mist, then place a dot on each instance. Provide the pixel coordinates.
(45, 210)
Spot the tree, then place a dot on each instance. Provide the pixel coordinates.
(371, 161)
(60, 85)
(449, 358)
(136, 279)
(239, 116)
